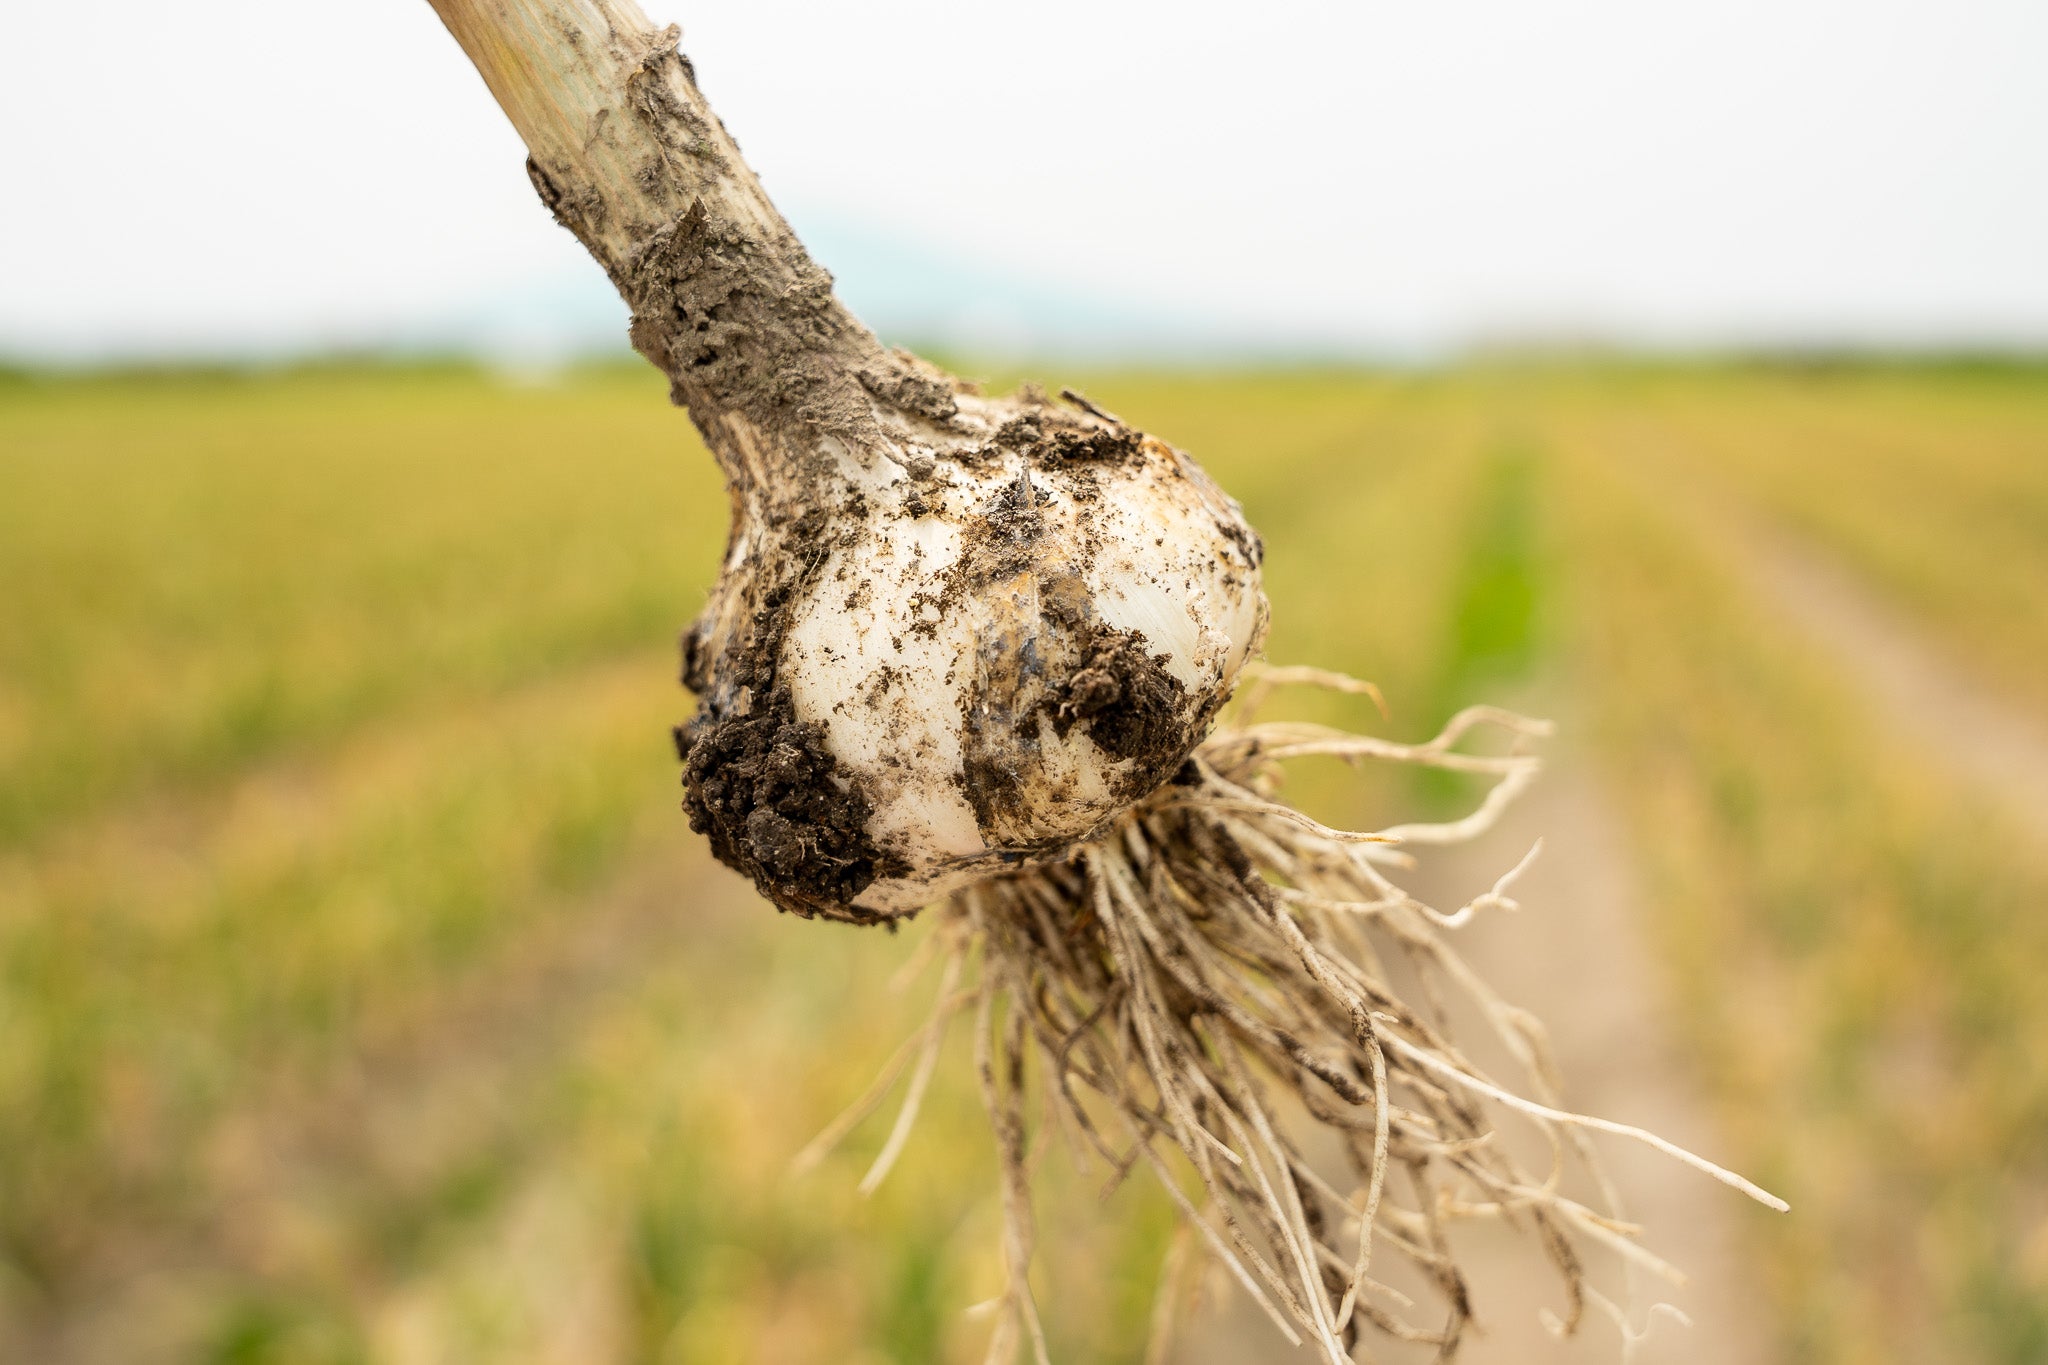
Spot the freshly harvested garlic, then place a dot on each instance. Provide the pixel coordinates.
(983, 637)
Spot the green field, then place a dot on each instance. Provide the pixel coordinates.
(364, 996)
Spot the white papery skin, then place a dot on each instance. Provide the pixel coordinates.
(937, 645)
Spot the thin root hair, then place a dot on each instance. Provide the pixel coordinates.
(1213, 968)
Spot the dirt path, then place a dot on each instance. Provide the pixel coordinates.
(1577, 956)
(1911, 684)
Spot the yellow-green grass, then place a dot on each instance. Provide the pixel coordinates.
(1855, 942)
(1932, 485)
(203, 573)
(363, 991)
(363, 995)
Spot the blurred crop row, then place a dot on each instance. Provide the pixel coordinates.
(363, 996)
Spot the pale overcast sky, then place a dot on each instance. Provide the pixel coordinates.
(229, 175)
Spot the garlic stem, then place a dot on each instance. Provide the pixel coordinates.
(627, 154)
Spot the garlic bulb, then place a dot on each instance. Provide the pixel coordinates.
(952, 633)
(1009, 622)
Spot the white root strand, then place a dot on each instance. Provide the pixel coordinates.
(1215, 944)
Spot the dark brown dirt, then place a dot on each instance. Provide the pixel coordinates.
(1051, 438)
(1104, 681)
(993, 760)
(1123, 698)
(999, 729)
(779, 808)
(760, 785)
(1066, 667)
(1240, 534)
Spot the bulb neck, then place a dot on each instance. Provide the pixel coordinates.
(627, 154)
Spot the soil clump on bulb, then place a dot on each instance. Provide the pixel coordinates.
(1123, 698)
(777, 806)
(760, 785)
